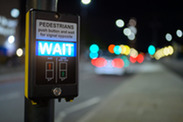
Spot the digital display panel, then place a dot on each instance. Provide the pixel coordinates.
(49, 48)
(56, 62)
(52, 55)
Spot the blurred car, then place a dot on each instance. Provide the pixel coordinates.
(107, 66)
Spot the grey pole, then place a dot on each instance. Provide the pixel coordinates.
(43, 110)
(49, 5)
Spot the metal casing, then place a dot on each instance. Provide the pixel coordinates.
(44, 74)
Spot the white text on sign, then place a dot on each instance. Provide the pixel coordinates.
(47, 48)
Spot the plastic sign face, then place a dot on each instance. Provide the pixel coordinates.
(48, 48)
(51, 63)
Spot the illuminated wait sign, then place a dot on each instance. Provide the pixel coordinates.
(47, 48)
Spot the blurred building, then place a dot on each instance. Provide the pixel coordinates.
(11, 28)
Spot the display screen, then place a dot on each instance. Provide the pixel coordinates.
(56, 62)
(49, 48)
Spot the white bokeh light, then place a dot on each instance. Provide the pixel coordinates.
(179, 33)
(133, 29)
(19, 52)
(127, 32)
(15, 12)
(168, 37)
(131, 36)
(120, 23)
(11, 39)
(86, 2)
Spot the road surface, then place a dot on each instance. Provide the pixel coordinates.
(92, 91)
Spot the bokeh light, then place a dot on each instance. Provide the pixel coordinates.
(125, 60)
(123, 49)
(85, 2)
(132, 22)
(117, 63)
(111, 48)
(127, 32)
(120, 23)
(163, 52)
(94, 48)
(168, 37)
(133, 53)
(179, 33)
(132, 59)
(131, 36)
(117, 50)
(11, 39)
(93, 55)
(15, 12)
(140, 58)
(133, 29)
(171, 50)
(19, 52)
(99, 62)
(151, 49)
(127, 51)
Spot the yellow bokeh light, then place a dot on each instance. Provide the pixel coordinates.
(127, 50)
(19, 52)
(163, 52)
(171, 50)
(133, 53)
(123, 49)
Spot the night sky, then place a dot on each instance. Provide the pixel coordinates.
(154, 20)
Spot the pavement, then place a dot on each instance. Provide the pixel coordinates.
(149, 96)
(11, 74)
(174, 64)
(153, 94)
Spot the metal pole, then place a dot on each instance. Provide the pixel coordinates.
(49, 5)
(42, 110)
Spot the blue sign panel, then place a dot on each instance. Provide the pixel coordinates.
(48, 48)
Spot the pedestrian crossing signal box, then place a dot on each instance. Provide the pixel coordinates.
(51, 59)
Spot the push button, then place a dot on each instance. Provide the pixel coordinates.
(57, 91)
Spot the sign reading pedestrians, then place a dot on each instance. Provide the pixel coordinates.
(51, 65)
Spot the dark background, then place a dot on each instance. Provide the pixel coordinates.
(154, 20)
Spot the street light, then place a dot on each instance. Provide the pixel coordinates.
(85, 2)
